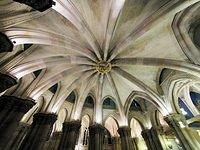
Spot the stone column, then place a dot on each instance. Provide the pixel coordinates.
(70, 134)
(5, 44)
(54, 142)
(135, 142)
(6, 81)
(178, 124)
(152, 140)
(116, 143)
(125, 136)
(18, 136)
(39, 132)
(96, 137)
(12, 109)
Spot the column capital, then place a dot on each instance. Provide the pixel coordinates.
(44, 118)
(115, 140)
(145, 131)
(96, 129)
(158, 130)
(72, 126)
(5, 44)
(18, 104)
(175, 119)
(6, 81)
(124, 131)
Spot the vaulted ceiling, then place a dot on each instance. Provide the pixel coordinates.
(103, 47)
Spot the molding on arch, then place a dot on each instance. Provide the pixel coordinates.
(173, 86)
(182, 24)
(143, 95)
(111, 115)
(110, 97)
(89, 116)
(141, 121)
(90, 94)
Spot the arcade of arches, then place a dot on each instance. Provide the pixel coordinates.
(99, 74)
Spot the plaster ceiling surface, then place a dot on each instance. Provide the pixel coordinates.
(76, 35)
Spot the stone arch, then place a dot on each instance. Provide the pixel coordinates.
(72, 97)
(112, 126)
(138, 94)
(54, 88)
(112, 99)
(62, 115)
(136, 127)
(162, 74)
(27, 118)
(89, 101)
(172, 88)
(184, 108)
(157, 120)
(182, 26)
(84, 131)
(195, 97)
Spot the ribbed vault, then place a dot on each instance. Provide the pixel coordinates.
(110, 47)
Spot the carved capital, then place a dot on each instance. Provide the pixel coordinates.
(174, 119)
(96, 129)
(16, 104)
(44, 118)
(124, 132)
(71, 126)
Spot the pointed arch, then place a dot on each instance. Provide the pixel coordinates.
(139, 94)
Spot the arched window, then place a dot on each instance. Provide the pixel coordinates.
(184, 109)
(109, 104)
(136, 128)
(62, 115)
(89, 102)
(110, 132)
(195, 97)
(112, 127)
(37, 72)
(136, 131)
(53, 89)
(84, 132)
(72, 97)
(135, 106)
(163, 123)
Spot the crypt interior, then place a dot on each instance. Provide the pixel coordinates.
(99, 74)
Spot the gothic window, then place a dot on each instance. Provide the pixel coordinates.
(37, 72)
(195, 99)
(184, 109)
(72, 97)
(109, 104)
(135, 106)
(54, 88)
(89, 102)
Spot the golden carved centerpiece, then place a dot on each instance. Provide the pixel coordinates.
(103, 67)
